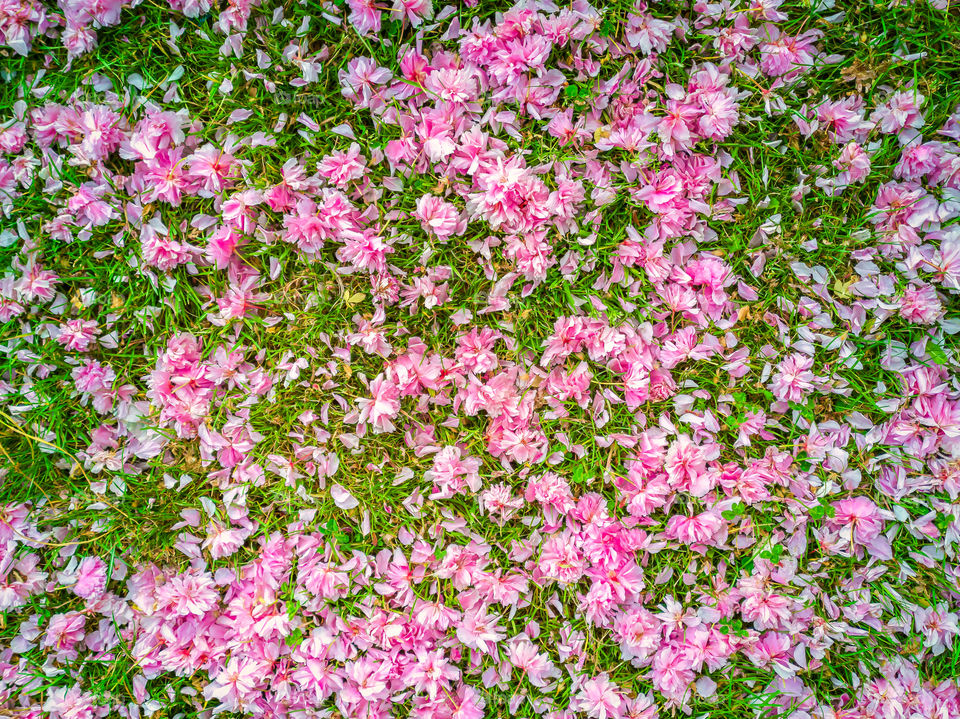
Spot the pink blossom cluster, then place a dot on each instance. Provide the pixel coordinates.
(679, 470)
(20, 22)
(75, 22)
(271, 639)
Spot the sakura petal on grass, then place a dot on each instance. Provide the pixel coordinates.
(465, 309)
(342, 498)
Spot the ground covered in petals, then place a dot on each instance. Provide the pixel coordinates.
(387, 358)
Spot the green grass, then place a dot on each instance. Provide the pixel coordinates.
(766, 154)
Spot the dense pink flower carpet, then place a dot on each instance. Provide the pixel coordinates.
(380, 359)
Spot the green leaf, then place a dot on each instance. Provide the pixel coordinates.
(937, 353)
(580, 474)
(737, 510)
(294, 638)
